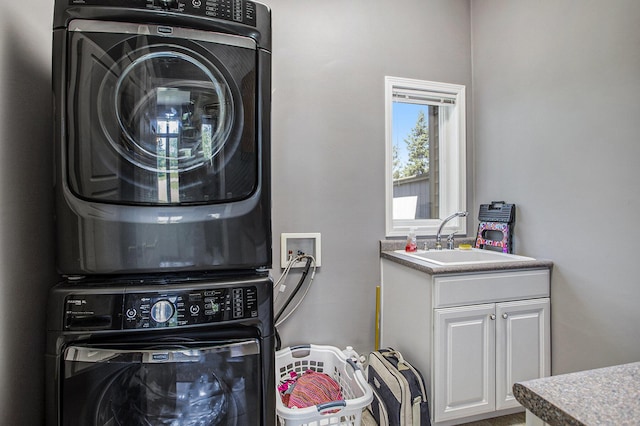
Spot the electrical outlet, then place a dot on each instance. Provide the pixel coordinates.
(293, 244)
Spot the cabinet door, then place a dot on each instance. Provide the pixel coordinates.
(522, 346)
(464, 361)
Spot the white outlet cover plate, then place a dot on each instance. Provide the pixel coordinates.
(284, 247)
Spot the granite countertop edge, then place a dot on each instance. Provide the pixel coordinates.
(609, 395)
(542, 408)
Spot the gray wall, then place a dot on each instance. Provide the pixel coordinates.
(26, 253)
(557, 131)
(329, 62)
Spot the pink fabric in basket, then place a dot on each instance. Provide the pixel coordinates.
(312, 388)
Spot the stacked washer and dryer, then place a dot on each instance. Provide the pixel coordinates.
(164, 312)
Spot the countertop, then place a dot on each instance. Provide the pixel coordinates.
(604, 396)
(388, 247)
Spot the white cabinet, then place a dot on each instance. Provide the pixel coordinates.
(523, 346)
(464, 362)
(481, 350)
(471, 335)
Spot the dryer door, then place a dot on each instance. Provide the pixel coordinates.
(208, 385)
(160, 115)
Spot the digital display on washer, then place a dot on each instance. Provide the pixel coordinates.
(189, 307)
(241, 11)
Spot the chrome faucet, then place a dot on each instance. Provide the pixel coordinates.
(444, 222)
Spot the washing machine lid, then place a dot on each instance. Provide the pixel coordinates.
(159, 115)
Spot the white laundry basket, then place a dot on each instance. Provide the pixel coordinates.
(329, 360)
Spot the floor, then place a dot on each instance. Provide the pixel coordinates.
(512, 420)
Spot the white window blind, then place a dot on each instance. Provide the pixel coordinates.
(423, 97)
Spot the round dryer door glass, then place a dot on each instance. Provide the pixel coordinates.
(161, 120)
(171, 124)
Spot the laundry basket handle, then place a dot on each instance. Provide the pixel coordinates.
(300, 351)
(353, 364)
(331, 406)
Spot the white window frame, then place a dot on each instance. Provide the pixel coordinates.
(452, 158)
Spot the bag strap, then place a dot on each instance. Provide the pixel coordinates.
(392, 353)
(415, 411)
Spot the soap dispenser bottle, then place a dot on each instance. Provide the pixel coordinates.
(412, 242)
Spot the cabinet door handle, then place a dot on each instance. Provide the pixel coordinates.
(492, 316)
(505, 316)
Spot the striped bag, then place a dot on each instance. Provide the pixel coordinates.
(399, 395)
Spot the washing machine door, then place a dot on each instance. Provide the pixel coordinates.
(160, 115)
(206, 385)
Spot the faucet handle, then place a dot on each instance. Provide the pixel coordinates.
(450, 240)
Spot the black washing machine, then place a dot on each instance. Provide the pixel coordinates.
(157, 351)
(162, 123)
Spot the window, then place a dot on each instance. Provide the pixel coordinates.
(425, 156)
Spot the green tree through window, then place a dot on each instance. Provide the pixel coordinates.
(418, 148)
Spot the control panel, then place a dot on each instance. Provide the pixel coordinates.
(147, 310)
(157, 310)
(240, 11)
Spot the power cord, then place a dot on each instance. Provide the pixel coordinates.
(279, 287)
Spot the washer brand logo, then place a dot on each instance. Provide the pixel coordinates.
(76, 302)
(165, 30)
(160, 357)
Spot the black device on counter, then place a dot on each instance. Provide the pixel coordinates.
(495, 231)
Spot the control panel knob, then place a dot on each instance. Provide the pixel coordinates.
(169, 4)
(162, 311)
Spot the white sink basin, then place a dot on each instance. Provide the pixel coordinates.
(464, 257)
